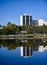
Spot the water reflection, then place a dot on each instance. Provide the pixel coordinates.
(12, 44)
(26, 51)
(26, 46)
(15, 52)
(42, 48)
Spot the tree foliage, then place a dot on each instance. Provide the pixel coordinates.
(12, 29)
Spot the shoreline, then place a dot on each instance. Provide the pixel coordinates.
(24, 36)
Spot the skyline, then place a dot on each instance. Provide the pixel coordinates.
(10, 10)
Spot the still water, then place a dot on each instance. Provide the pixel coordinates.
(23, 52)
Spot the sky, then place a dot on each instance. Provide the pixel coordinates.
(10, 10)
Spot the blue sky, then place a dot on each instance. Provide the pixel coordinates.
(10, 10)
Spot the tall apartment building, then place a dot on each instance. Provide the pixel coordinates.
(26, 20)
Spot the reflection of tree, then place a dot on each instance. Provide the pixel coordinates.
(0, 46)
(12, 44)
(11, 47)
(29, 43)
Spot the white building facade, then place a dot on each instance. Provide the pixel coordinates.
(42, 22)
(26, 20)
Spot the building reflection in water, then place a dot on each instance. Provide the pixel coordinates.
(26, 51)
(42, 48)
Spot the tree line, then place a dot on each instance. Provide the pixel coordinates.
(13, 29)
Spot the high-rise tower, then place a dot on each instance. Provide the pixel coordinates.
(26, 20)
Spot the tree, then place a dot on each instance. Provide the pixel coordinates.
(28, 29)
(8, 23)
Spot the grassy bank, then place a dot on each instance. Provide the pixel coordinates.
(24, 36)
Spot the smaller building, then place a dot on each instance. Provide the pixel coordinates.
(35, 22)
(42, 22)
(23, 32)
(0, 27)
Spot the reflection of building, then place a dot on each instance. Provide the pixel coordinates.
(26, 51)
(45, 47)
(42, 48)
(26, 20)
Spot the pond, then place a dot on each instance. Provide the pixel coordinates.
(18, 52)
